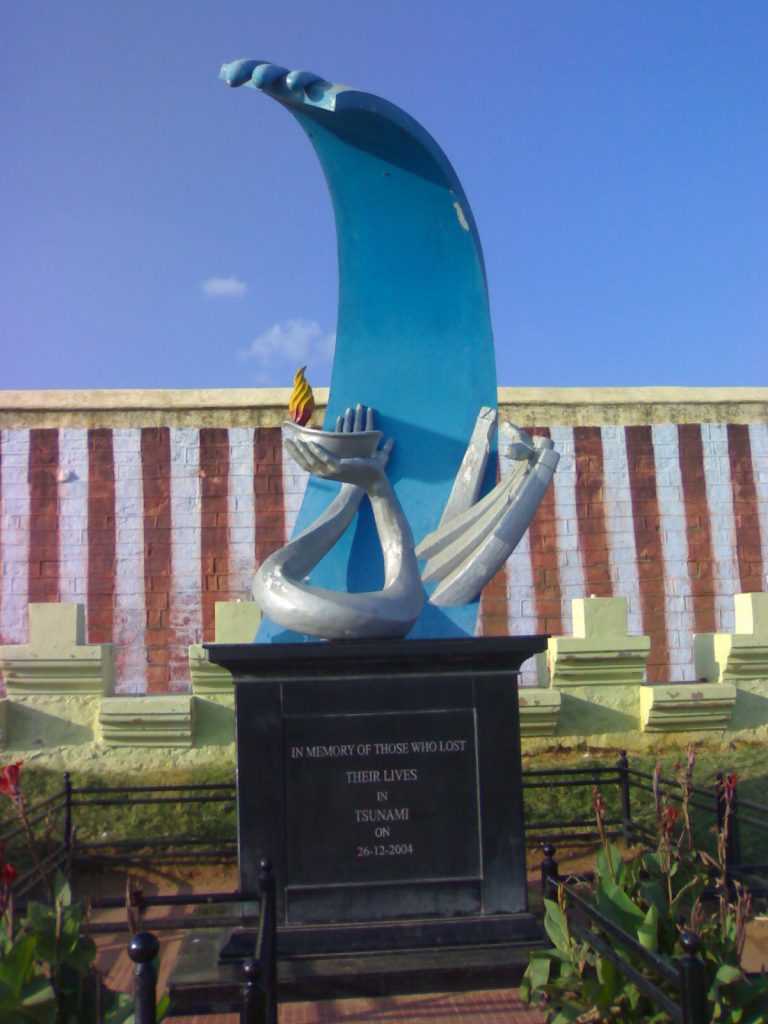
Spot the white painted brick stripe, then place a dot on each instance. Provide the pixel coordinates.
(14, 543)
(130, 607)
(295, 481)
(570, 563)
(73, 516)
(186, 616)
(678, 607)
(617, 501)
(717, 473)
(242, 524)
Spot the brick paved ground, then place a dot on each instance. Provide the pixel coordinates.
(492, 1006)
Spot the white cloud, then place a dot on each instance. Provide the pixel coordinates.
(294, 342)
(224, 287)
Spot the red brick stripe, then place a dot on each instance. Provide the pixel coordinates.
(590, 511)
(544, 563)
(650, 556)
(268, 491)
(214, 539)
(745, 509)
(156, 480)
(697, 526)
(494, 611)
(44, 515)
(101, 536)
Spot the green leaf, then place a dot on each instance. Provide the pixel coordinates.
(161, 1011)
(610, 980)
(727, 974)
(648, 931)
(654, 892)
(617, 906)
(567, 1013)
(652, 864)
(607, 859)
(120, 1009)
(17, 965)
(632, 993)
(537, 972)
(61, 890)
(37, 992)
(556, 925)
(39, 917)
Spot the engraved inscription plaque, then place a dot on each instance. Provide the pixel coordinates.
(381, 798)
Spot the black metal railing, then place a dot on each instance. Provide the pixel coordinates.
(45, 825)
(258, 973)
(64, 822)
(60, 823)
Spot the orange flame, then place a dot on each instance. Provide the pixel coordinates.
(302, 402)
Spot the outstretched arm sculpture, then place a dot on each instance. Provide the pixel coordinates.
(472, 542)
(475, 538)
(279, 587)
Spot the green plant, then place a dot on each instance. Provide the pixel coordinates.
(47, 973)
(652, 899)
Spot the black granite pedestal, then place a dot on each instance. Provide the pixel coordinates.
(382, 779)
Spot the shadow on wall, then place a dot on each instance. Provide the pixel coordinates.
(214, 722)
(599, 714)
(750, 710)
(30, 728)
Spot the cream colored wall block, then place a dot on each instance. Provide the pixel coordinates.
(156, 721)
(740, 656)
(56, 660)
(539, 711)
(236, 622)
(686, 707)
(600, 652)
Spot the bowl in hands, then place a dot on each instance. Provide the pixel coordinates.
(360, 444)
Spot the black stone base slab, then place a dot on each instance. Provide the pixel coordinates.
(199, 985)
(383, 782)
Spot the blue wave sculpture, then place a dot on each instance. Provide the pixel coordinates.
(414, 338)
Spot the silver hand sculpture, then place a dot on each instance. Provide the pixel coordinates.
(475, 538)
(279, 587)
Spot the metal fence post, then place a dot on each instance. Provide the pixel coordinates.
(67, 812)
(252, 1011)
(622, 766)
(693, 989)
(549, 873)
(143, 949)
(269, 944)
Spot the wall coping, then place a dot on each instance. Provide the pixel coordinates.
(266, 406)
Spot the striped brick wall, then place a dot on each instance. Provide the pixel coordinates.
(149, 526)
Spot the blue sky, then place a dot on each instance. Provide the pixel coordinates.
(161, 230)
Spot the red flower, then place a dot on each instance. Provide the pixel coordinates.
(8, 875)
(598, 802)
(729, 786)
(9, 780)
(668, 818)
